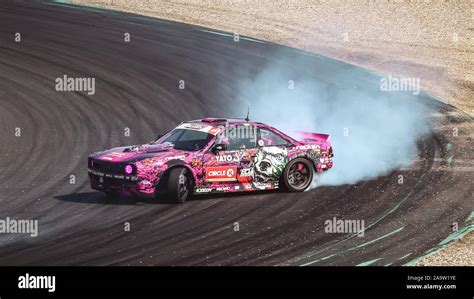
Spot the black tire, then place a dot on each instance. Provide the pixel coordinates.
(179, 185)
(297, 175)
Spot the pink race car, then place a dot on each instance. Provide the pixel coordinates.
(212, 155)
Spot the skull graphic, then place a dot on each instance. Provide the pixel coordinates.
(269, 163)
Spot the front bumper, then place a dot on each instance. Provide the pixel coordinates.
(123, 184)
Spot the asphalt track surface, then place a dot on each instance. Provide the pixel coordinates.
(137, 87)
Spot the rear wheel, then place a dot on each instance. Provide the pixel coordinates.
(179, 185)
(297, 175)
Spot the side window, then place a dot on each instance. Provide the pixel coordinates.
(239, 137)
(268, 138)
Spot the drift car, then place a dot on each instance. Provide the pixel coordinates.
(212, 155)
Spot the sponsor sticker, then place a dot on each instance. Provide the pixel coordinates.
(227, 158)
(316, 147)
(199, 127)
(261, 186)
(180, 157)
(213, 130)
(108, 175)
(118, 154)
(112, 156)
(221, 174)
(246, 172)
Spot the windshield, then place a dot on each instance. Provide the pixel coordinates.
(186, 140)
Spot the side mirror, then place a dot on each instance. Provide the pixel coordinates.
(220, 147)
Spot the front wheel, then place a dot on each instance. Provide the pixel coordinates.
(179, 185)
(297, 175)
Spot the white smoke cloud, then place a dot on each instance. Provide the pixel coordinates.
(382, 128)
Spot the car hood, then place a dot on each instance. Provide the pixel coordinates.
(128, 154)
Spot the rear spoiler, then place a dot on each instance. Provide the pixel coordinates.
(311, 137)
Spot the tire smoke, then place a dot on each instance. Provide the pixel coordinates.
(372, 132)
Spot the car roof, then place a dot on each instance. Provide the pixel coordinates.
(215, 122)
(222, 121)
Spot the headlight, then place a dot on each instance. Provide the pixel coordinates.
(128, 169)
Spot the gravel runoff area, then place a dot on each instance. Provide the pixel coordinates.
(425, 39)
(459, 253)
